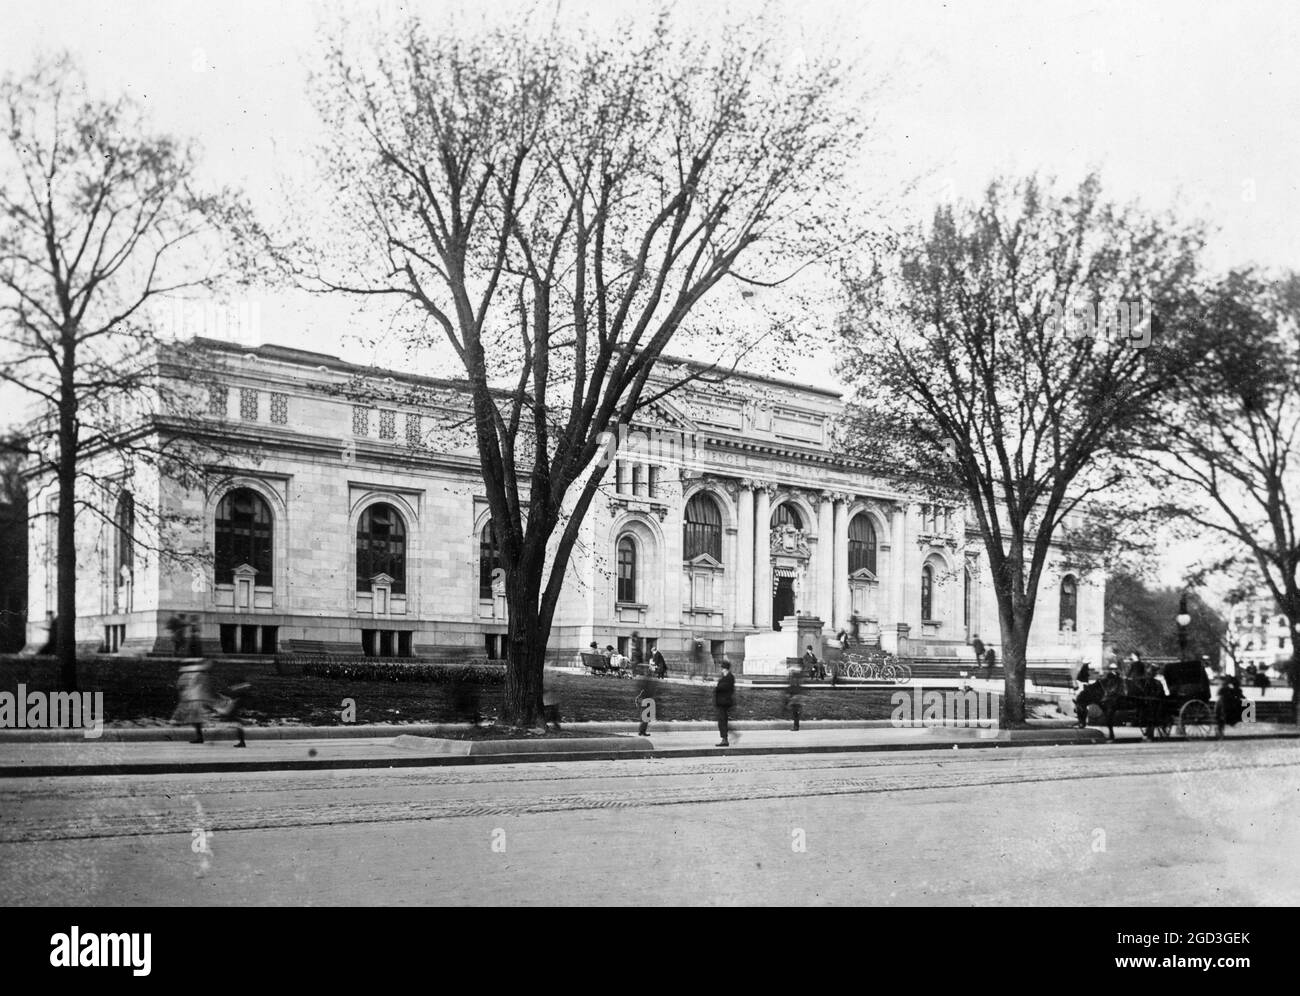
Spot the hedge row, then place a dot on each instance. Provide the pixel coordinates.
(473, 673)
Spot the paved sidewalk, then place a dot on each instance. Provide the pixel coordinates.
(397, 747)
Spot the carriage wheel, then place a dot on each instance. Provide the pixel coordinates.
(1196, 721)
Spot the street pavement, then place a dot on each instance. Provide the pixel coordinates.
(402, 746)
(1211, 823)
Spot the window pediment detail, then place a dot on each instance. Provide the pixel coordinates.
(704, 562)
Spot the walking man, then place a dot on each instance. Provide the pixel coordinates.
(660, 665)
(724, 697)
(794, 694)
(977, 645)
(645, 703)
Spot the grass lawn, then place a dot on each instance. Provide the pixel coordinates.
(143, 693)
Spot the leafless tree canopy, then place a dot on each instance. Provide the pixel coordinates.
(100, 218)
(971, 340)
(556, 207)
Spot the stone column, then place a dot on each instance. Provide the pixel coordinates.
(898, 567)
(763, 557)
(842, 606)
(744, 584)
(826, 561)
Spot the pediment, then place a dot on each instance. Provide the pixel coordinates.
(664, 414)
(705, 561)
(862, 574)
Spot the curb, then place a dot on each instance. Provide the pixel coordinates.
(177, 734)
(638, 749)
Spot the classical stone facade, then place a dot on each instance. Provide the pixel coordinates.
(340, 519)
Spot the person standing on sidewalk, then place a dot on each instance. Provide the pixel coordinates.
(794, 694)
(550, 702)
(977, 645)
(724, 697)
(645, 703)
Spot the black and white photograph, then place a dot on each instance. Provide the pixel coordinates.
(597, 453)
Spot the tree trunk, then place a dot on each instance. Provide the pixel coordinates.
(1015, 645)
(521, 705)
(1294, 676)
(65, 634)
(1013, 689)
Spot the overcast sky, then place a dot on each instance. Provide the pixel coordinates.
(1176, 103)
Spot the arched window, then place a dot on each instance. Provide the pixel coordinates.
(381, 547)
(862, 544)
(489, 559)
(243, 536)
(702, 532)
(626, 570)
(1069, 603)
(125, 547)
(786, 515)
(927, 593)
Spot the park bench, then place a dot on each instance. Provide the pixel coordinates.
(1052, 679)
(598, 664)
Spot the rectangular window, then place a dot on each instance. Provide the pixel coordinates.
(368, 642)
(270, 637)
(360, 420)
(248, 639)
(404, 643)
(385, 643)
(218, 399)
(387, 424)
(717, 649)
(229, 638)
(623, 642)
(248, 404)
(413, 429)
(280, 409)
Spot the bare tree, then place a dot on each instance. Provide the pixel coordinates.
(983, 363)
(556, 208)
(99, 219)
(1223, 450)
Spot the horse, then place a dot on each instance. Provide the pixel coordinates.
(1111, 694)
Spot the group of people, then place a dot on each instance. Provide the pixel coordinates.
(621, 662)
(985, 657)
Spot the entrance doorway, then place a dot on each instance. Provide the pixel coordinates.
(782, 601)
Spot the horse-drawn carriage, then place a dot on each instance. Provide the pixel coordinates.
(1144, 702)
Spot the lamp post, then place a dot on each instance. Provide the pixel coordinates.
(1183, 619)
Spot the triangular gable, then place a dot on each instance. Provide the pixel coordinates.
(862, 574)
(704, 560)
(664, 414)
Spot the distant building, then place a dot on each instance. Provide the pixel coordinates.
(345, 524)
(1259, 634)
